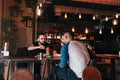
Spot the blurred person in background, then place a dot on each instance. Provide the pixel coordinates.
(57, 48)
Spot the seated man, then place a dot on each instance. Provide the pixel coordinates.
(39, 46)
(74, 59)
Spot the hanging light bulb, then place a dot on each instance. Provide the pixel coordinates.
(65, 16)
(80, 16)
(73, 29)
(112, 31)
(41, 5)
(100, 31)
(39, 12)
(86, 30)
(94, 17)
(115, 22)
(106, 18)
(117, 15)
(39, 9)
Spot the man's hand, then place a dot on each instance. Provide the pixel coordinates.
(42, 47)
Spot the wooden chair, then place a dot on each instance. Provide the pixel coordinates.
(22, 74)
(91, 73)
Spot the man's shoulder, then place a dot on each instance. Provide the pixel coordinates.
(75, 42)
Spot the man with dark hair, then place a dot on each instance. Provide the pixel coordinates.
(38, 46)
(74, 59)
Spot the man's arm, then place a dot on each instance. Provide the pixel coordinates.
(55, 53)
(64, 56)
(47, 51)
(35, 47)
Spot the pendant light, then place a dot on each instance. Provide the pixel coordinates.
(100, 31)
(86, 30)
(112, 31)
(73, 29)
(65, 16)
(80, 16)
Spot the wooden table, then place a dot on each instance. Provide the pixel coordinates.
(11, 64)
(112, 57)
(5, 62)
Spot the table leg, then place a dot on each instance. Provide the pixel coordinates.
(32, 67)
(6, 68)
(113, 69)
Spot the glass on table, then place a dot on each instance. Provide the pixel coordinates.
(40, 56)
(1, 54)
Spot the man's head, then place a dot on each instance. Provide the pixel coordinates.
(67, 37)
(41, 38)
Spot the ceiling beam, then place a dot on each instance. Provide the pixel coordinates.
(88, 4)
(108, 2)
(76, 10)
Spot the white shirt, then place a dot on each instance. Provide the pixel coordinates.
(78, 57)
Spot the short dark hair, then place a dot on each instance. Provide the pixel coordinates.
(40, 33)
(70, 33)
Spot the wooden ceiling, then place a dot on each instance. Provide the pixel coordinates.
(86, 7)
(90, 7)
(99, 7)
(108, 7)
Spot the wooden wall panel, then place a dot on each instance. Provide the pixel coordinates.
(113, 2)
(97, 1)
(23, 35)
(109, 2)
(0, 23)
(118, 2)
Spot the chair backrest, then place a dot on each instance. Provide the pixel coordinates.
(91, 73)
(22, 52)
(22, 74)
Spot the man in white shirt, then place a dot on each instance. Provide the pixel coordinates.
(78, 57)
(73, 55)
